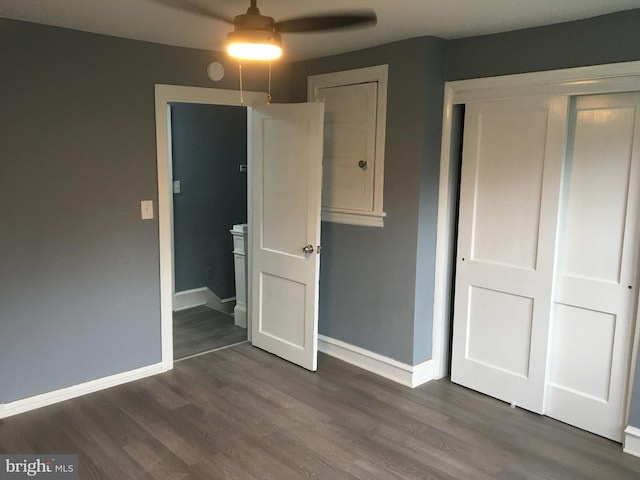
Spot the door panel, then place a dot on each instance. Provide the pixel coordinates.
(581, 351)
(282, 168)
(596, 295)
(280, 315)
(350, 130)
(285, 194)
(510, 188)
(494, 311)
(598, 187)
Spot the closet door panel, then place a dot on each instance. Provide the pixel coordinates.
(510, 188)
(595, 299)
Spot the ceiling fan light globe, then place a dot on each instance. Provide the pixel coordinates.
(254, 51)
(254, 45)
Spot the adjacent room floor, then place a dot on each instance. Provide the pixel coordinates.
(240, 413)
(202, 329)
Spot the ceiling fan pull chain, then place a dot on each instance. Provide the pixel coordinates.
(240, 71)
(269, 93)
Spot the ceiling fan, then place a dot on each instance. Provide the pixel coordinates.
(257, 36)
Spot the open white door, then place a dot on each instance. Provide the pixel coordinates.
(286, 179)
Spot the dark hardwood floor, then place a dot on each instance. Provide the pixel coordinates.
(240, 413)
(202, 329)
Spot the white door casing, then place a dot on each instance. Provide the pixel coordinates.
(597, 274)
(164, 94)
(509, 196)
(286, 175)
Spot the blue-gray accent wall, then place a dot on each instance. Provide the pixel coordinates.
(209, 143)
(634, 414)
(79, 269)
(605, 39)
(376, 284)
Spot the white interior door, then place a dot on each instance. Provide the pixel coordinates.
(509, 196)
(286, 176)
(596, 287)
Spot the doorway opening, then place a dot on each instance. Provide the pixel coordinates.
(209, 184)
(165, 96)
(281, 258)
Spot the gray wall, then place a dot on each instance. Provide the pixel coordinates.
(209, 143)
(606, 39)
(79, 275)
(376, 286)
(634, 416)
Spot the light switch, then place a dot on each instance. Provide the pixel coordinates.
(176, 186)
(146, 209)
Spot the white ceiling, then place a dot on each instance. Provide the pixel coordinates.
(397, 19)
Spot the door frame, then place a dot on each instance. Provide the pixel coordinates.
(611, 78)
(164, 94)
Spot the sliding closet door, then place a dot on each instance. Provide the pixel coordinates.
(509, 197)
(597, 275)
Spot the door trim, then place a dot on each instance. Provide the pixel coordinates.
(164, 94)
(611, 78)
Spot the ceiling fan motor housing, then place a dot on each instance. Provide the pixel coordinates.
(253, 21)
(254, 27)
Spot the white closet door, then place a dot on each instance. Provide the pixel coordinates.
(596, 287)
(509, 197)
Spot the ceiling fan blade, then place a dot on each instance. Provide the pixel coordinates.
(332, 21)
(192, 6)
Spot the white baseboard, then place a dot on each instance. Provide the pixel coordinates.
(632, 441)
(202, 296)
(408, 375)
(240, 316)
(221, 304)
(189, 299)
(49, 398)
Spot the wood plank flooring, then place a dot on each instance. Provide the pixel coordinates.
(201, 329)
(241, 413)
